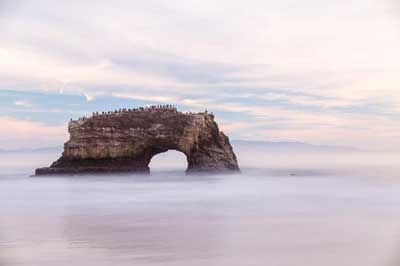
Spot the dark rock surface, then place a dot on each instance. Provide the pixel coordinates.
(125, 141)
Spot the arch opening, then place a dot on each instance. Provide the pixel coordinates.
(171, 160)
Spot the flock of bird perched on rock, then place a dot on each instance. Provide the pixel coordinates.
(155, 108)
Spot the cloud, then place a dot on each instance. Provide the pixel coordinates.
(88, 97)
(304, 64)
(144, 97)
(8, 6)
(22, 103)
(16, 134)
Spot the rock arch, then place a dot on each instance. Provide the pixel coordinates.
(125, 141)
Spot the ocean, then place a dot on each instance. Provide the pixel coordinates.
(284, 209)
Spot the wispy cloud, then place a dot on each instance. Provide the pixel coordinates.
(22, 103)
(288, 67)
(17, 133)
(88, 97)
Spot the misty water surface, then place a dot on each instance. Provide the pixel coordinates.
(289, 209)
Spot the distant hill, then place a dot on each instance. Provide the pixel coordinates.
(287, 146)
(237, 144)
(45, 149)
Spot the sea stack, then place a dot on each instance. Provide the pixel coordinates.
(125, 141)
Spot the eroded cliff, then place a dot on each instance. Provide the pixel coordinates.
(126, 140)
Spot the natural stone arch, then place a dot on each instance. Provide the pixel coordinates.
(125, 141)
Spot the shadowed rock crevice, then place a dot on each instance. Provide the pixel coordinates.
(125, 141)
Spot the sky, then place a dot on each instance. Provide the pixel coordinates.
(316, 71)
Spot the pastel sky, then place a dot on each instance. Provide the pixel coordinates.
(316, 71)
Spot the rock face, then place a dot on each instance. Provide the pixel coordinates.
(125, 141)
